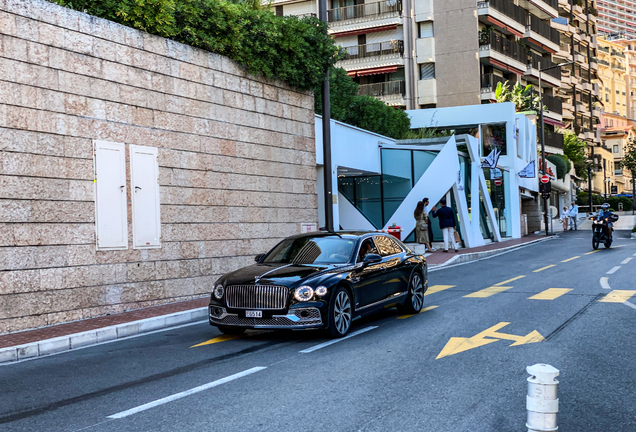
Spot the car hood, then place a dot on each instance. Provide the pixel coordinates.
(276, 274)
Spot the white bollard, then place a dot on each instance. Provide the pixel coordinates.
(541, 401)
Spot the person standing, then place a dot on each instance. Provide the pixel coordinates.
(430, 227)
(565, 217)
(573, 212)
(421, 225)
(446, 218)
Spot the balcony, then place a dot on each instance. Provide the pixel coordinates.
(489, 84)
(508, 17)
(553, 103)
(564, 51)
(604, 49)
(554, 140)
(368, 15)
(544, 9)
(390, 92)
(551, 77)
(374, 55)
(542, 35)
(498, 51)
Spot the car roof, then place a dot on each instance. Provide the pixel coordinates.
(346, 234)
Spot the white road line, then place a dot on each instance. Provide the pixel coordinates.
(614, 270)
(185, 393)
(630, 304)
(626, 260)
(605, 283)
(331, 342)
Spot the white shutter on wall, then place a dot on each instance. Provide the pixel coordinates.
(426, 29)
(144, 175)
(111, 216)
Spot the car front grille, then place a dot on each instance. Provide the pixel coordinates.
(261, 297)
(306, 317)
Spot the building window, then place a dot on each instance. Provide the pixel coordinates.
(279, 11)
(427, 71)
(493, 136)
(615, 149)
(426, 29)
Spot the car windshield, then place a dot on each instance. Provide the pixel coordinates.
(312, 250)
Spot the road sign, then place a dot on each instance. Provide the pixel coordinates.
(545, 178)
(458, 344)
(498, 182)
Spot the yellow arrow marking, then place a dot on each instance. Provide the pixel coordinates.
(571, 259)
(510, 280)
(426, 309)
(550, 294)
(437, 288)
(618, 296)
(457, 344)
(544, 268)
(487, 292)
(218, 339)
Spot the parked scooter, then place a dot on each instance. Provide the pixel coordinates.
(602, 229)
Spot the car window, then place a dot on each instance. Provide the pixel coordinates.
(366, 248)
(387, 246)
(312, 250)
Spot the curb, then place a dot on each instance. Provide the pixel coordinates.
(97, 336)
(476, 256)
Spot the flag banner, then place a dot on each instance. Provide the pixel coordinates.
(528, 171)
(491, 160)
(496, 174)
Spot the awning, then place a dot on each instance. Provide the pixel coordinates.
(364, 31)
(506, 67)
(376, 71)
(504, 27)
(553, 122)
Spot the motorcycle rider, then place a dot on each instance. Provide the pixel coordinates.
(604, 213)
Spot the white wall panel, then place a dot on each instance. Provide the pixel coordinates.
(144, 174)
(111, 217)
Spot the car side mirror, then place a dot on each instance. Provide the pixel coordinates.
(371, 259)
(259, 257)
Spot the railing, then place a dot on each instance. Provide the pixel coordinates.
(564, 47)
(553, 139)
(489, 82)
(603, 48)
(364, 10)
(554, 104)
(603, 62)
(618, 54)
(545, 63)
(382, 89)
(506, 47)
(544, 29)
(307, 15)
(554, 4)
(619, 67)
(509, 9)
(374, 50)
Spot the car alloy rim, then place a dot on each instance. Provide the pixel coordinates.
(342, 312)
(418, 292)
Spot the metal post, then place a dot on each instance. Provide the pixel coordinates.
(633, 193)
(541, 400)
(589, 180)
(326, 137)
(544, 162)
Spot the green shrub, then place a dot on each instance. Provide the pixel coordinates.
(634, 229)
(297, 51)
(561, 163)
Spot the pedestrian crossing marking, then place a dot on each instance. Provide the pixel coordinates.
(618, 296)
(544, 268)
(437, 288)
(571, 259)
(487, 292)
(550, 294)
(426, 309)
(218, 339)
(510, 280)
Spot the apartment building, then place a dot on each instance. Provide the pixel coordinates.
(614, 76)
(617, 16)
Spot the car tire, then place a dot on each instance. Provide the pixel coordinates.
(231, 330)
(340, 313)
(415, 298)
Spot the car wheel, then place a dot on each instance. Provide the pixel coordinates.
(415, 298)
(232, 330)
(340, 313)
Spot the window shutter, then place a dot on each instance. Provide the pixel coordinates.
(426, 29)
(427, 71)
(144, 174)
(111, 215)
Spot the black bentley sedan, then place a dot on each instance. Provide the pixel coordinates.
(320, 280)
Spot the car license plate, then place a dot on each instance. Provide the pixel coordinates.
(254, 314)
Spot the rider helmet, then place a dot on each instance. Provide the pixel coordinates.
(605, 206)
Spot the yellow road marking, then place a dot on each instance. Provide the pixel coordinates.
(544, 268)
(458, 344)
(571, 259)
(510, 280)
(426, 309)
(550, 294)
(218, 339)
(590, 253)
(487, 292)
(618, 296)
(437, 288)
(619, 246)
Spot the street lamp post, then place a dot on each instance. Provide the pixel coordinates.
(543, 161)
(326, 137)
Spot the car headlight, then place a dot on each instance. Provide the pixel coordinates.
(321, 291)
(219, 291)
(304, 293)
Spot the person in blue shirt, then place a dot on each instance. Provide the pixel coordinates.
(605, 212)
(446, 218)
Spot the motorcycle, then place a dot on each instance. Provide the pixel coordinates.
(602, 231)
